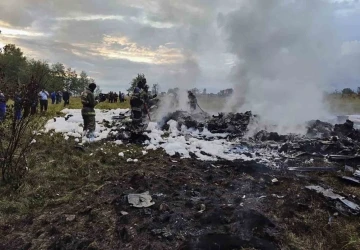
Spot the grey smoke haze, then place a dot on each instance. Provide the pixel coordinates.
(187, 43)
(285, 51)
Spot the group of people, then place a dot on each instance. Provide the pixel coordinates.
(25, 105)
(57, 97)
(192, 100)
(113, 97)
(140, 102)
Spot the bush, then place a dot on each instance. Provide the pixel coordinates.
(17, 134)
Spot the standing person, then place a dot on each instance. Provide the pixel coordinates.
(192, 100)
(57, 97)
(17, 106)
(88, 112)
(123, 97)
(53, 97)
(115, 97)
(120, 99)
(2, 106)
(137, 103)
(43, 95)
(26, 102)
(66, 97)
(34, 104)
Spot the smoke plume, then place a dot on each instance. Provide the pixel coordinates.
(285, 50)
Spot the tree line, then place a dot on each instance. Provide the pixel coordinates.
(18, 70)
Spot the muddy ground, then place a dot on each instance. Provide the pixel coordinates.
(198, 205)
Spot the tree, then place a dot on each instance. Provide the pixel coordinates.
(58, 77)
(12, 63)
(347, 91)
(17, 135)
(82, 83)
(97, 91)
(135, 81)
(40, 71)
(71, 81)
(18, 70)
(155, 89)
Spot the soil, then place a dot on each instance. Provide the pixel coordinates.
(198, 205)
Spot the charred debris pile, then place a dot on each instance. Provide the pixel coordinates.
(234, 124)
(322, 139)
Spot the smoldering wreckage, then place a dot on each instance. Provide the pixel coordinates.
(237, 192)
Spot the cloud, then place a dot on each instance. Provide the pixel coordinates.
(172, 42)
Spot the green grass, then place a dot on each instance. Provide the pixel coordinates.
(75, 103)
(339, 105)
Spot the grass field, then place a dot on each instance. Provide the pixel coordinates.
(339, 105)
(75, 103)
(65, 180)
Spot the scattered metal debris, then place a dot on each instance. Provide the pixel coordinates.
(140, 200)
(350, 180)
(349, 169)
(313, 169)
(330, 194)
(357, 173)
(343, 157)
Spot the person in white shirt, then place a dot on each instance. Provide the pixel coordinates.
(43, 95)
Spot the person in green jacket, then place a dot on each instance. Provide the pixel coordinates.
(88, 112)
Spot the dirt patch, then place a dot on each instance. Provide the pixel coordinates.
(198, 205)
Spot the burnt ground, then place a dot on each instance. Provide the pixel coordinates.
(73, 200)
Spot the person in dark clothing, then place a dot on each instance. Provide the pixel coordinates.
(58, 97)
(2, 106)
(17, 106)
(53, 97)
(138, 106)
(66, 98)
(88, 112)
(192, 101)
(34, 105)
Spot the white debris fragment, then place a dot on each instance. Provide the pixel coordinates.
(274, 180)
(121, 154)
(140, 200)
(33, 141)
(91, 154)
(185, 142)
(129, 160)
(77, 140)
(136, 160)
(72, 126)
(118, 142)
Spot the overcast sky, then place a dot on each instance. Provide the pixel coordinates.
(173, 42)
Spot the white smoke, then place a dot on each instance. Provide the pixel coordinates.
(285, 51)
